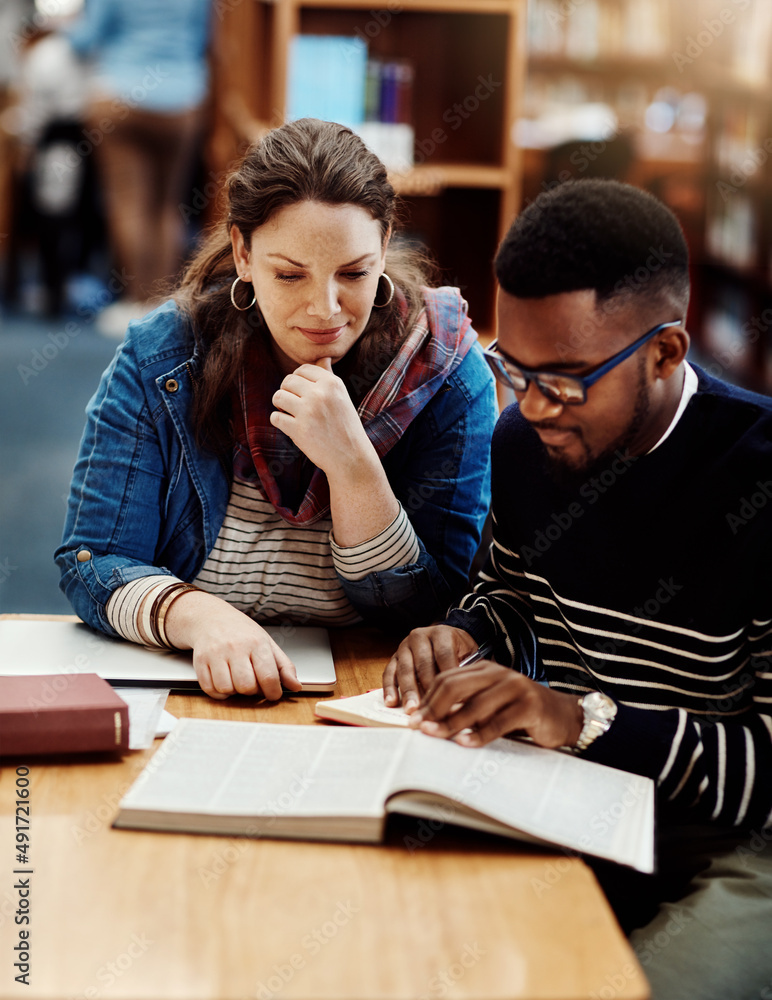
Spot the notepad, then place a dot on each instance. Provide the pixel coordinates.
(366, 709)
(64, 647)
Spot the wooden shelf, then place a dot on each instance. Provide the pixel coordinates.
(716, 82)
(721, 83)
(615, 66)
(383, 11)
(432, 180)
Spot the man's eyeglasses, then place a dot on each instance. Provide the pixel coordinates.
(570, 390)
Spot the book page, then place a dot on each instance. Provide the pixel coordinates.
(554, 796)
(347, 774)
(252, 769)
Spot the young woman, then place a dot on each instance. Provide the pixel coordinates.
(300, 434)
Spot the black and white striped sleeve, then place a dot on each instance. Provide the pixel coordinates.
(396, 545)
(499, 610)
(716, 766)
(129, 608)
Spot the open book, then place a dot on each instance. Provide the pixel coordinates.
(330, 783)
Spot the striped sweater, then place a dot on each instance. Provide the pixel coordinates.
(650, 581)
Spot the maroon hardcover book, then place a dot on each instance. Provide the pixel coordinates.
(61, 713)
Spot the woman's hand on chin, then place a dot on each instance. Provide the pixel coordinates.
(314, 409)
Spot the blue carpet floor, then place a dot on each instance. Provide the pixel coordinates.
(48, 371)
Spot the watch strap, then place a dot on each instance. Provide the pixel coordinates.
(593, 727)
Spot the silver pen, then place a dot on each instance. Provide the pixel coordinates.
(479, 654)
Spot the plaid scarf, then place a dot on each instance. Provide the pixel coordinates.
(440, 339)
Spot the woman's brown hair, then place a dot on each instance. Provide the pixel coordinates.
(305, 160)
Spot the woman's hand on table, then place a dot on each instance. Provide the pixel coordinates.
(231, 653)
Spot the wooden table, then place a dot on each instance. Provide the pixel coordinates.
(153, 916)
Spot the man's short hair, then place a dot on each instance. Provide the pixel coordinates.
(595, 234)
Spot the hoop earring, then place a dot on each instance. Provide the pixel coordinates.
(380, 305)
(241, 309)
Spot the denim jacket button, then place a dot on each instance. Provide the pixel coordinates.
(83, 556)
(172, 385)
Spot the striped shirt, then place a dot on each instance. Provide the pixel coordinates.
(273, 571)
(649, 581)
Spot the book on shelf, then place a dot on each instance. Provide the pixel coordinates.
(732, 227)
(341, 783)
(752, 38)
(392, 142)
(326, 78)
(738, 145)
(387, 129)
(599, 28)
(396, 92)
(727, 339)
(331, 77)
(61, 713)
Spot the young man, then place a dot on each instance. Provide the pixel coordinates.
(630, 569)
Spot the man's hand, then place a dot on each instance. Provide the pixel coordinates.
(492, 700)
(420, 657)
(231, 653)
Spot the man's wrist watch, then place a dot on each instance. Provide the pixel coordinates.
(599, 712)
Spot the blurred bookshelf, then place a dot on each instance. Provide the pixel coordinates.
(675, 98)
(441, 85)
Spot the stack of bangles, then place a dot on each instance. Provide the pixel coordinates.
(151, 623)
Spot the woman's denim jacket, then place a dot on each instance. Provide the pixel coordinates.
(145, 499)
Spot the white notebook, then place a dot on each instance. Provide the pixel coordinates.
(62, 647)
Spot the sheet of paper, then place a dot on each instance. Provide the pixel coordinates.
(146, 706)
(166, 723)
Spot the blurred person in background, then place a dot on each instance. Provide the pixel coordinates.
(148, 88)
(53, 212)
(12, 19)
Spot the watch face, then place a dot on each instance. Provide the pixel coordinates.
(600, 705)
